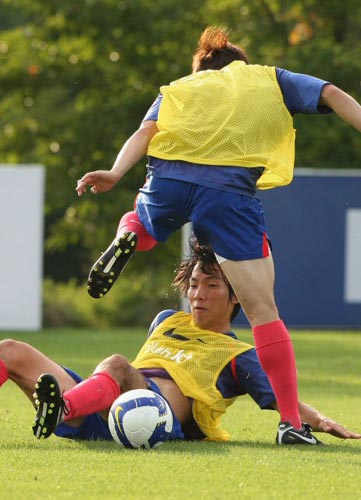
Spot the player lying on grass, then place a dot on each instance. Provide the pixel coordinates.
(193, 360)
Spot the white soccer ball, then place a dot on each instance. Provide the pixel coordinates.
(140, 419)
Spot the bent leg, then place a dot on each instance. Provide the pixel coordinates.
(96, 394)
(130, 222)
(252, 282)
(25, 364)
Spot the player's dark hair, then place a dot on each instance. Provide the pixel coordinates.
(216, 51)
(202, 255)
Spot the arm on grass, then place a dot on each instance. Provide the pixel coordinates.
(321, 423)
(133, 150)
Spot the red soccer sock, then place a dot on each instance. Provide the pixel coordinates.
(94, 394)
(131, 222)
(276, 355)
(4, 374)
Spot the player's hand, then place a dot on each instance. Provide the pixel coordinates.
(337, 430)
(99, 180)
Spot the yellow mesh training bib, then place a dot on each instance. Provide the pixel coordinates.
(194, 358)
(235, 116)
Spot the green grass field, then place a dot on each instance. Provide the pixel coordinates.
(251, 466)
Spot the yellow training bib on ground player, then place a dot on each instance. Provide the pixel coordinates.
(194, 358)
(235, 116)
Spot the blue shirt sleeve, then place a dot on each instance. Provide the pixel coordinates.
(152, 113)
(301, 93)
(251, 379)
(160, 317)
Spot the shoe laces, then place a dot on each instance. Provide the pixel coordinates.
(64, 409)
(307, 428)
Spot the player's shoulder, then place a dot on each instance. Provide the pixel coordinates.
(286, 78)
(159, 318)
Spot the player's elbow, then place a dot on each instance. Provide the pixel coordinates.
(148, 128)
(330, 95)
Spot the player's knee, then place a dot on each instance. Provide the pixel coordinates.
(13, 352)
(116, 365)
(262, 313)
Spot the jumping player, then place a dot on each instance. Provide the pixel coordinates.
(212, 138)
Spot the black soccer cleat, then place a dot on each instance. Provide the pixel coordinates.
(111, 264)
(287, 434)
(50, 406)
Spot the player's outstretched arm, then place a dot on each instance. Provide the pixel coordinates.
(320, 423)
(132, 151)
(343, 104)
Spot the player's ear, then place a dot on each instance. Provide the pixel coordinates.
(234, 300)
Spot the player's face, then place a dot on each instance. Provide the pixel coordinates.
(209, 300)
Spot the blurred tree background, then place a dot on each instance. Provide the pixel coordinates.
(76, 80)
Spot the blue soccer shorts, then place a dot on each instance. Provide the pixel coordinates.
(233, 224)
(94, 427)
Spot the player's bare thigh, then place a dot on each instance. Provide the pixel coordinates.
(181, 405)
(25, 364)
(253, 283)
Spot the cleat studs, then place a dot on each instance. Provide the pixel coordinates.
(127, 250)
(101, 262)
(105, 290)
(101, 295)
(110, 281)
(111, 273)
